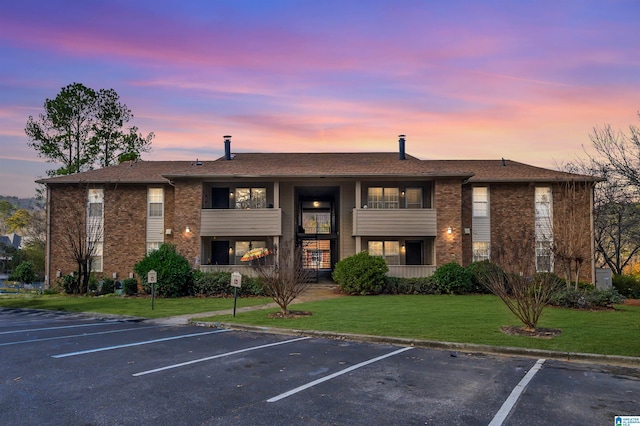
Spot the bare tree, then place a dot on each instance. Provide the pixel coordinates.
(287, 279)
(571, 230)
(515, 281)
(616, 214)
(82, 235)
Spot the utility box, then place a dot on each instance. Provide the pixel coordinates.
(604, 279)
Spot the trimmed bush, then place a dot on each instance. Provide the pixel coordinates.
(451, 278)
(175, 276)
(421, 285)
(108, 286)
(218, 284)
(586, 299)
(627, 285)
(130, 286)
(361, 274)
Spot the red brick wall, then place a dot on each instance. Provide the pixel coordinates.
(187, 202)
(66, 206)
(125, 216)
(448, 202)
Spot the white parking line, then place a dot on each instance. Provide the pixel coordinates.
(182, 364)
(127, 345)
(71, 336)
(57, 328)
(336, 374)
(508, 405)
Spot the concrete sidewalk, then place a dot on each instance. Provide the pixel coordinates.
(313, 293)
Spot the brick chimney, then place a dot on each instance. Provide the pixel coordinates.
(401, 155)
(227, 147)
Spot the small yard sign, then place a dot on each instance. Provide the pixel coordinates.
(236, 282)
(152, 278)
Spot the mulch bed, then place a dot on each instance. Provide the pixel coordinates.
(632, 302)
(541, 333)
(290, 314)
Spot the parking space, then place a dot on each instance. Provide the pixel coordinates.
(73, 369)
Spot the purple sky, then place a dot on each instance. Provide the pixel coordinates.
(525, 80)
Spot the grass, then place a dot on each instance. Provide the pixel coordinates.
(130, 306)
(466, 319)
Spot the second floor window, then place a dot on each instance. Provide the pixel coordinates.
(251, 198)
(480, 201)
(156, 202)
(383, 198)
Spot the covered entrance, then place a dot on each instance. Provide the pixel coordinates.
(317, 229)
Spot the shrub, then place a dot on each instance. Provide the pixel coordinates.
(130, 286)
(219, 284)
(586, 298)
(24, 273)
(67, 283)
(420, 285)
(627, 285)
(361, 273)
(480, 272)
(451, 278)
(175, 276)
(108, 286)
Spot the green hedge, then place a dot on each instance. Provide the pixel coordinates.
(218, 284)
(627, 285)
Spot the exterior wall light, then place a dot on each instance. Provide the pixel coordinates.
(188, 230)
(449, 230)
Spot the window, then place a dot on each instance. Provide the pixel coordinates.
(383, 198)
(251, 198)
(95, 202)
(389, 250)
(153, 246)
(95, 227)
(316, 222)
(480, 201)
(244, 246)
(413, 198)
(156, 202)
(480, 251)
(543, 229)
(96, 258)
(543, 256)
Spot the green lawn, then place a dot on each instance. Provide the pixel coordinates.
(466, 319)
(130, 306)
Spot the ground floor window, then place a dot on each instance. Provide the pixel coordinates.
(480, 251)
(153, 246)
(389, 250)
(544, 260)
(96, 258)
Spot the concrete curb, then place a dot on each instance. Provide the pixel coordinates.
(614, 360)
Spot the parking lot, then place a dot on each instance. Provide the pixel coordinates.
(76, 369)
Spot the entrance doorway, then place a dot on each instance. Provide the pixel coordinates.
(219, 252)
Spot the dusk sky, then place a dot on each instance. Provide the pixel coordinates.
(524, 80)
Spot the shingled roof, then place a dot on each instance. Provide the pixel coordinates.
(291, 165)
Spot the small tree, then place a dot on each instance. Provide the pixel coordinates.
(24, 273)
(287, 279)
(516, 283)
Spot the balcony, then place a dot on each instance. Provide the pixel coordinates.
(241, 223)
(394, 222)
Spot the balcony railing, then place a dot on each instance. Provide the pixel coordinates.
(394, 222)
(411, 271)
(240, 223)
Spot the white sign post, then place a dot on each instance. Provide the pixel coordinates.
(152, 278)
(236, 282)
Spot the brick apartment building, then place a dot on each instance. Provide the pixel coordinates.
(417, 214)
